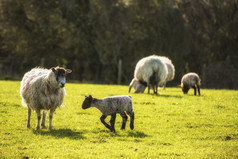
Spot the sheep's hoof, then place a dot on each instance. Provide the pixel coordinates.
(43, 126)
(132, 127)
(28, 126)
(37, 127)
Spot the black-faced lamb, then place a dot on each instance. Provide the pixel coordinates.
(170, 68)
(190, 80)
(43, 89)
(111, 106)
(150, 70)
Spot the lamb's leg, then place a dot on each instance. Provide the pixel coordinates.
(124, 120)
(198, 87)
(112, 121)
(28, 125)
(50, 119)
(102, 118)
(195, 90)
(156, 89)
(43, 119)
(148, 88)
(132, 116)
(38, 119)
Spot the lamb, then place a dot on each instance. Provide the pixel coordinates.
(150, 71)
(190, 80)
(43, 89)
(111, 106)
(138, 85)
(170, 67)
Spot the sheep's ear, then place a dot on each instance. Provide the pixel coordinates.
(90, 96)
(53, 70)
(68, 71)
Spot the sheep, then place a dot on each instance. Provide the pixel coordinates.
(170, 67)
(111, 106)
(43, 89)
(150, 70)
(138, 85)
(190, 80)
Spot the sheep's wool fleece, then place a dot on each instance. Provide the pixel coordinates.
(39, 90)
(190, 79)
(114, 104)
(147, 66)
(170, 67)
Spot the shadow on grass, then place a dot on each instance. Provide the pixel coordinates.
(137, 134)
(61, 133)
(167, 96)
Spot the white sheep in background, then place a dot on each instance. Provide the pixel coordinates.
(139, 86)
(111, 106)
(170, 67)
(43, 89)
(150, 70)
(190, 80)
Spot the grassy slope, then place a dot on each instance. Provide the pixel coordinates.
(167, 125)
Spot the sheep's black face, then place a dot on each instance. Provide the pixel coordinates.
(60, 75)
(87, 102)
(185, 89)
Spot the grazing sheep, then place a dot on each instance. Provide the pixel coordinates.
(43, 89)
(110, 106)
(139, 86)
(170, 67)
(190, 80)
(150, 70)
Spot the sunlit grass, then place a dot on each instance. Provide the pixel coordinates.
(168, 125)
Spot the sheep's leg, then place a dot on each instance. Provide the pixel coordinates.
(124, 120)
(132, 116)
(148, 88)
(50, 119)
(164, 86)
(38, 119)
(198, 87)
(43, 119)
(195, 90)
(112, 121)
(28, 125)
(102, 118)
(156, 89)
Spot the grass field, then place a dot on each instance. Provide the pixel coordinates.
(168, 125)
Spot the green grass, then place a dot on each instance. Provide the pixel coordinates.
(168, 125)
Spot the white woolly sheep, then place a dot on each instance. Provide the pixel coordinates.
(139, 86)
(43, 89)
(170, 67)
(111, 106)
(190, 80)
(150, 71)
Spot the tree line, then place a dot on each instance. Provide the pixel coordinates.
(91, 37)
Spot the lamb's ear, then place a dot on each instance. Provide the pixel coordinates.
(68, 71)
(53, 70)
